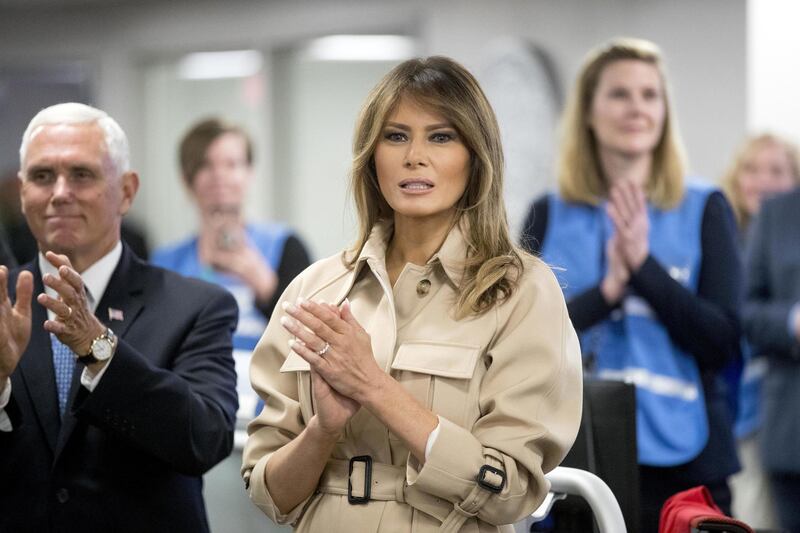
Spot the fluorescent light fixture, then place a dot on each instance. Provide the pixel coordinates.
(215, 65)
(360, 48)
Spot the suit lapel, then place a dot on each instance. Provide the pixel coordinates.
(123, 296)
(36, 367)
(123, 293)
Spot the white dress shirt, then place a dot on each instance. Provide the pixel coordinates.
(95, 280)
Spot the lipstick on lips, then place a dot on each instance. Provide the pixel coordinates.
(416, 185)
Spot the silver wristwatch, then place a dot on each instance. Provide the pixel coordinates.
(102, 348)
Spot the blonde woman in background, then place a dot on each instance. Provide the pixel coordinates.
(764, 165)
(443, 379)
(650, 269)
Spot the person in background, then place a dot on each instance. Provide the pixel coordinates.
(255, 262)
(772, 324)
(117, 384)
(6, 257)
(650, 269)
(764, 165)
(426, 379)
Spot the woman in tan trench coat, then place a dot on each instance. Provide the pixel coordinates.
(428, 378)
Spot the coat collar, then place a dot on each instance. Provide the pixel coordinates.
(451, 255)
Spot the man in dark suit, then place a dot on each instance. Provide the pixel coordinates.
(117, 383)
(6, 257)
(772, 323)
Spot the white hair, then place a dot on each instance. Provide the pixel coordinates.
(74, 113)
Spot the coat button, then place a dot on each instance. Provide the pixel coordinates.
(423, 287)
(62, 495)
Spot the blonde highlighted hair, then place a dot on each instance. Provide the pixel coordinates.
(493, 262)
(580, 176)
(730, 180)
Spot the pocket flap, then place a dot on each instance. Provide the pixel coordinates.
(437, 358)
(295, 363)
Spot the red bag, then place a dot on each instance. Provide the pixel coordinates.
(695, 510)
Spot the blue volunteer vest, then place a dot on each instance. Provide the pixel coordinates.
(632, 345)
(184, 258)
(748, 416)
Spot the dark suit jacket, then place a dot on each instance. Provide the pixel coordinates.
(773, 287)
(6, 257)
(130, 455)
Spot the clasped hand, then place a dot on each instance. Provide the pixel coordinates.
(628, 247)
(339, 352)
(627, 208)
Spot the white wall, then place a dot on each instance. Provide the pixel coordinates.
(704, 43)
(773, 76)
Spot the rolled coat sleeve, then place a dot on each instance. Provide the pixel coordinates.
(281, 420)
(530, 402)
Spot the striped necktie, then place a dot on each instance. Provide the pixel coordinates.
(64, 365)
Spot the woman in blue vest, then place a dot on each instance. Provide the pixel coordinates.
(255, 262)
(650, 268)
(764, 165)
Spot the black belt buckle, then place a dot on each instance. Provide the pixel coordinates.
(367, 460)
(496, 489)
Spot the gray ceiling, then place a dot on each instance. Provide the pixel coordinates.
(39, 4)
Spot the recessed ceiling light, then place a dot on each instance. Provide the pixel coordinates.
(214, 65)
(360, 48)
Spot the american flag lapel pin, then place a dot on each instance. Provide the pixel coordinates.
(115, 314)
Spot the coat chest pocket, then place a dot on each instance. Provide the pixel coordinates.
(440, 376)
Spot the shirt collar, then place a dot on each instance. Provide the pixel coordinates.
(95, 278)
(452, 254)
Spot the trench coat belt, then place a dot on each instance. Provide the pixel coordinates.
(388, 481)
(388, 484)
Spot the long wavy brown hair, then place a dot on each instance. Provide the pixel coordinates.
(493, 263)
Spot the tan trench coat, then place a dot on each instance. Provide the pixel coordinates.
(506, 386)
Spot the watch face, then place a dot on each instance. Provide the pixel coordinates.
(101, 349)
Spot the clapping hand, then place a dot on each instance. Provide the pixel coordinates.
(228, 249)
(74, 324)
(15, 322)
(627, 208)
(617, 275)
(336, 348)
